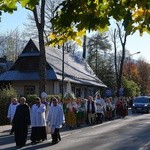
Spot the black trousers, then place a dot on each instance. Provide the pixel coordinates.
(99, 118)
(12, 129)
(21, 135)
(56, 136)
(38, 133)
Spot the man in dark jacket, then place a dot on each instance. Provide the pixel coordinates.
(21, 121)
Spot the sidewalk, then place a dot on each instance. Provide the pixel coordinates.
(5, 128)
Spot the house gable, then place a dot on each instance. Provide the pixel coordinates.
(30, 49)
(28, 60)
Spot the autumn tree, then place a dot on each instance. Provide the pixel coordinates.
(144, 75)
(130, 69)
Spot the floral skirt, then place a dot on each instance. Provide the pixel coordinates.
(70, 119)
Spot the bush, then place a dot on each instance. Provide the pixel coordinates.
(31, 99)
(49, 97)
(5, 100)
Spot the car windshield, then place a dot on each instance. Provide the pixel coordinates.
(141, 100)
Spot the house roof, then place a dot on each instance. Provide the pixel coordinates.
(15, 75)
(75, 69)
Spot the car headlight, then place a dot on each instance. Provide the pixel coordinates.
(145, 105)
(133, 105)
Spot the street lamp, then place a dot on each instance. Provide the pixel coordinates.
(130, 62)
(134, 53)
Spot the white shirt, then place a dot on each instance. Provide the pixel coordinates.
(55, 116)
(38, 115)
(100, 105)
(11, 111)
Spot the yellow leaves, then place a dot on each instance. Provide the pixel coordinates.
(60, 38)
(78, 41)
(81, 32)
(138, 13)
(101, 30)
(24, 2)
(141, 13)
(141, 17)
(52, 36)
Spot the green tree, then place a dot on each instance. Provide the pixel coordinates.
(10, 6)
(95, 15)
(97, 43)
(100, 60)
(130, 88)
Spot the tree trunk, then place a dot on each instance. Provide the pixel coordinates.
(84, 47)
(42, 65)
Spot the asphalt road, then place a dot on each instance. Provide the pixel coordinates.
(129, 133)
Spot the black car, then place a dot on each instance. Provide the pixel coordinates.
(141, 104)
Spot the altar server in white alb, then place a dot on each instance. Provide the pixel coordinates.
(55, 118)
(11, 111)
(38, 122)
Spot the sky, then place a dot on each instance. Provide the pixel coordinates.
(135, 43)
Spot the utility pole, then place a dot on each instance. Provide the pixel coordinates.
(63, 58)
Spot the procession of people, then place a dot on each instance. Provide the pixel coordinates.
(48, 117)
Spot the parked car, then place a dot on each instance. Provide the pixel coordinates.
(141, 104)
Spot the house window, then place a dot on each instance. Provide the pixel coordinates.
(29, 89)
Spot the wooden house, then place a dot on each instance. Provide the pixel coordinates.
(24, 74)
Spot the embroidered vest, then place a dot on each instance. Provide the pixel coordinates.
(88, 107)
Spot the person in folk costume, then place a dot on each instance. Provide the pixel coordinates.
(21, 121)
(108, 111)
(55, 119)
(83, 102)
(90, 110)
(100, 108)
(71, 112)
(125, 107)
(80, 111)
(38, 121)
(11, 112)
(120, 107)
